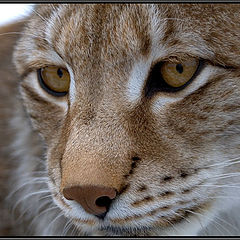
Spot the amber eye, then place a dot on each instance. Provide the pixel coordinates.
(178, 74)
(172, 75)
(54, 80)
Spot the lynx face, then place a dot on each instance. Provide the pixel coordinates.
(138, 107)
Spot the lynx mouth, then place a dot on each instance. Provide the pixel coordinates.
(157, 225)
(133, 229)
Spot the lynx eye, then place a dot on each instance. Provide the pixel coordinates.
(172, 75)
(178, 74)
(54, 80)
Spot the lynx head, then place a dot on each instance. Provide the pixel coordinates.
(138, 106)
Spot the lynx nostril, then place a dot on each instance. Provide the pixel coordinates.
(103, 201)
(94, 199)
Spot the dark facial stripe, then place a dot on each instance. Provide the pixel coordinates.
(33, 95)
(30, 92)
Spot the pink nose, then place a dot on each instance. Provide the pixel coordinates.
(94, 199)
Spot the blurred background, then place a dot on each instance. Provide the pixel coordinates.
(12, 12)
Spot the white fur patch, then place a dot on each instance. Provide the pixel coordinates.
(72, 89)
(141, 69)
(137, 79)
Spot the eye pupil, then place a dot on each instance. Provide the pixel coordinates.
(59, 72)
(179, 68)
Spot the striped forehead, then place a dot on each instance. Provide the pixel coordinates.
(94, 38)
(105, 30)
(106, 35)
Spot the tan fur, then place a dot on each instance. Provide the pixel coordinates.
(161, 159)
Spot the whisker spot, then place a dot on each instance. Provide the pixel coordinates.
(167, 178)
(142, 188)
(143, 201)
(165, 194)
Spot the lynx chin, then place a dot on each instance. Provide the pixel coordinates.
(121, 120)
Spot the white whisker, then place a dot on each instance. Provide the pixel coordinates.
(172, 225)
(223, 176)
(224, 221)
(35, 181)
(225, 163)
(220, 186)
(215, 222)
(27, 196)
(48, 196)
(180, 216)
(59, 215)
(224, 197)
(73, 230)
(35, 172)
(41, 213)
(25, 34)
(30, 208)
(67, 226)
(37, 13)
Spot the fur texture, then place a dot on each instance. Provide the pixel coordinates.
(173, 157)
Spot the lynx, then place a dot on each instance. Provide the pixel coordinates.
(121, 120)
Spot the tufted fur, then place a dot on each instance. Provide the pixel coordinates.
(173, 157)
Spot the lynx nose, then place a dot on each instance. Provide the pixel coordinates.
(94, 199)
